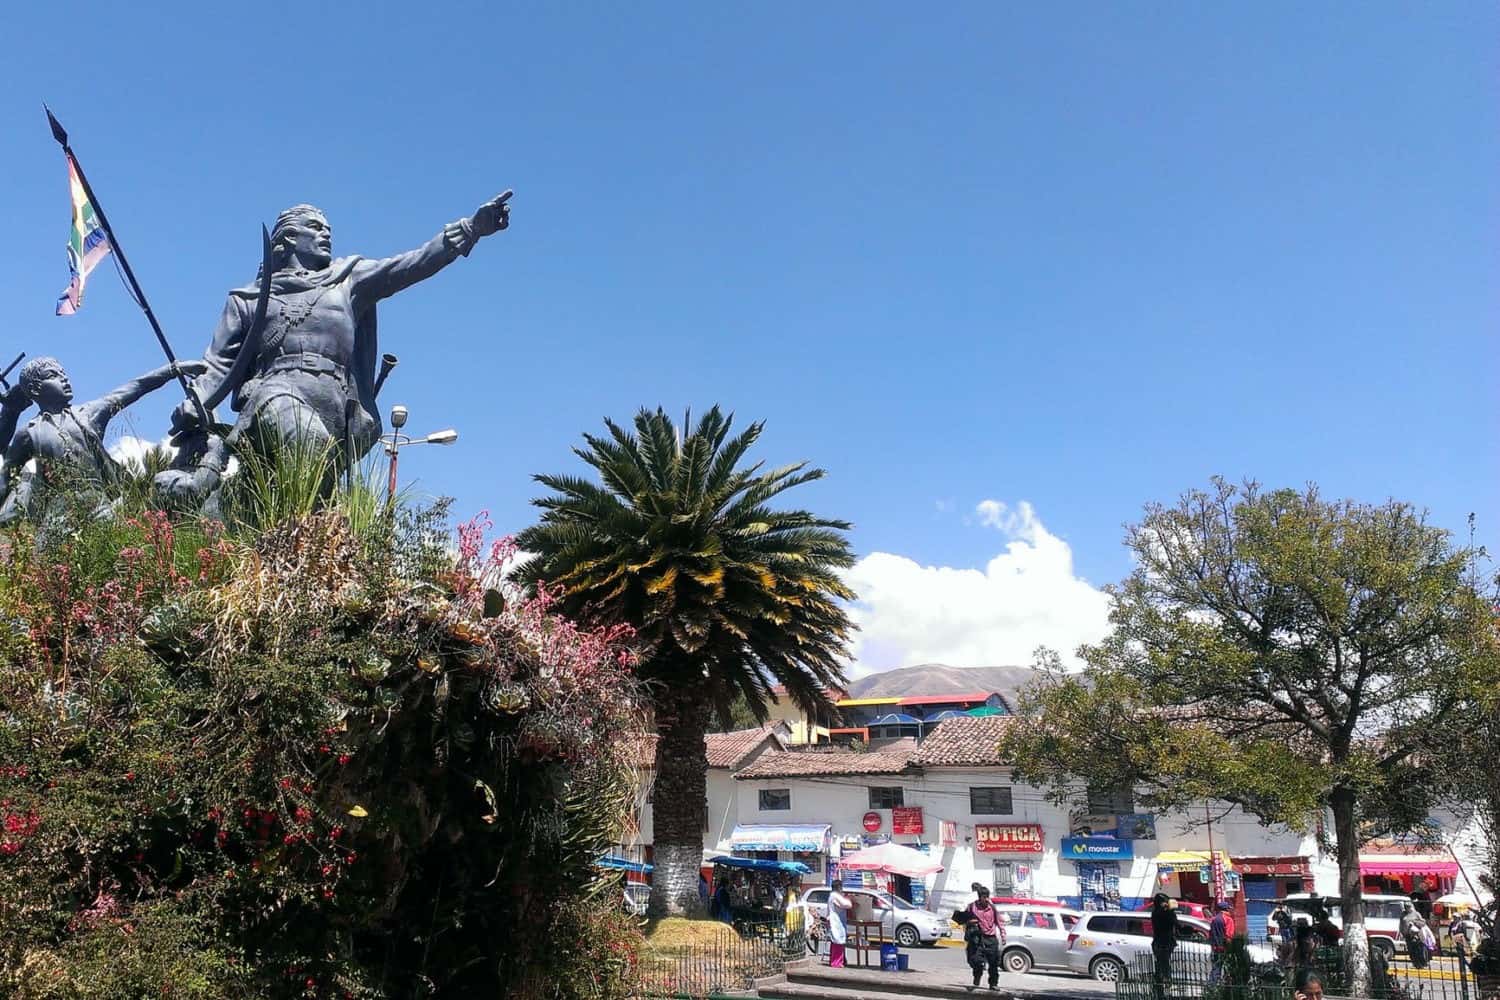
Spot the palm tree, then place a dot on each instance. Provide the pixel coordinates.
(727, 596)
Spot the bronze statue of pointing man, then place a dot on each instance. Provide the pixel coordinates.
(308, 372)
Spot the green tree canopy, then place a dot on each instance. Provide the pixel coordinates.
(728, 595)
(1278, 651)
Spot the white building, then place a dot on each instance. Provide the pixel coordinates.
(954, 798)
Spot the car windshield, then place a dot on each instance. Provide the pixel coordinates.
(900, 904)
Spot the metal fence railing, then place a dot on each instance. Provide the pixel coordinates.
(731, 961)
(1194, 978)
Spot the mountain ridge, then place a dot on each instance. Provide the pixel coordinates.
(940, 678)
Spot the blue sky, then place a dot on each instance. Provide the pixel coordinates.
(1083, 257)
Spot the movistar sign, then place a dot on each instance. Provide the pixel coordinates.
(1097, 849)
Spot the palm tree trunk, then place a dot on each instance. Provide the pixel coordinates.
(679, 802)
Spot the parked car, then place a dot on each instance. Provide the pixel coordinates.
(1185, 908)
(636, 896)
(1036, 935)
(902, 921)
(1382, 919)
(1105, 945)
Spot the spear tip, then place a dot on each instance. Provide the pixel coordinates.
(58, 132)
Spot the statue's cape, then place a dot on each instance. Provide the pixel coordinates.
(366, 342)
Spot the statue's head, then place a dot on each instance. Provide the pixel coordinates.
(302, 231)
(44, 380)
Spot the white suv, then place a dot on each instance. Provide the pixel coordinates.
(1106, 945)
(1382, 919)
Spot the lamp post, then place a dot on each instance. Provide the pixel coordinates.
(395, 441)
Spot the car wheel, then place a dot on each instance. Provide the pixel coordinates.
(1385, 947)
(1017, 961)
(907, 936)
(1107, 969)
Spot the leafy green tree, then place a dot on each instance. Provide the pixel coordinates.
(727, 595)
(1278, 651)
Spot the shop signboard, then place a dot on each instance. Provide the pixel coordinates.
(872, 821)
(1081, 824)
(1097, 849)
(1136, 826)
(907, 820)
(1009, 838)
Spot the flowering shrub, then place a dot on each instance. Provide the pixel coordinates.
(292, 763)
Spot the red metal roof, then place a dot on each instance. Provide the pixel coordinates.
(949, 699)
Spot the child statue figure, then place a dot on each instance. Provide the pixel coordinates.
(67, 441)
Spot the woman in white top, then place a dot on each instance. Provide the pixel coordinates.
(839, 906)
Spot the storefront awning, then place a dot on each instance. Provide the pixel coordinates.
(1189, 861)
(808, 838)
(1393, 864)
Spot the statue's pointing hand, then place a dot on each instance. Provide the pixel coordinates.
(492, 216)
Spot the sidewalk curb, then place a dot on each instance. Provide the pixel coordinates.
(908, 984)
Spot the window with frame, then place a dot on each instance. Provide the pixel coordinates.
(990, 800)
(887, 796)
(1104, 801)
(773, 799)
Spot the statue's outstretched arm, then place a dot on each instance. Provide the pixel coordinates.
(377, 279)
(98, 412)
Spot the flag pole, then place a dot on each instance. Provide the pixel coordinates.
(61, 135)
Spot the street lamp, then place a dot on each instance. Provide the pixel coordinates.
(395, 441)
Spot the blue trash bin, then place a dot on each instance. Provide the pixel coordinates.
(889, 957)
(901, 963)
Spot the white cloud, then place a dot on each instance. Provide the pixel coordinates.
(1025, 596)
(130, 450)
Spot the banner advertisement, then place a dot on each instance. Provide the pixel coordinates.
(907, 820)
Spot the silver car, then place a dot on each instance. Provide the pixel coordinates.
(900, 920)
(1036, 937)
(1108, 944)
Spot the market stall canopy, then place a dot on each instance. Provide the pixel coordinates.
(984, 711)
(625, 864)
(950, 713)
(764, 865)
(897, 719)
(895, 858)
(1189, 861)
(1408, 864)
(810, 838)
(1464, 899)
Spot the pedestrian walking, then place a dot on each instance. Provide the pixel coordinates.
(839, 906)
(1220, 933)
(1163, 942)
(1410, 928)
(1304, 947)
(989, 937)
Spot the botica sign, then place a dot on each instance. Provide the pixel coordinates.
(1003, 838)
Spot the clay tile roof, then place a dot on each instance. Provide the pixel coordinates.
(728, 749)
(965, 741)
(723, 749)
(893, 758)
